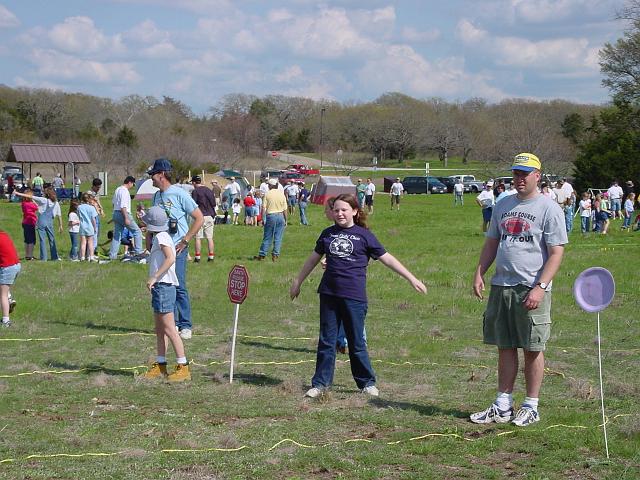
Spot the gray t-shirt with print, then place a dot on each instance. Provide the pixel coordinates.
(525, 229)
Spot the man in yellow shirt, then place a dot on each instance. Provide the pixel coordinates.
(274, 215)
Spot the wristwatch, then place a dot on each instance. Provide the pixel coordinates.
(542, 285)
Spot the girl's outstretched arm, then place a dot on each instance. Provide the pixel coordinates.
(394, 264)
(307, 268)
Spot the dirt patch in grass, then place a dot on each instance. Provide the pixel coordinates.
(582, 389)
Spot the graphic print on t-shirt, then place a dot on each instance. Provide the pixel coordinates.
(517, 227)
(341, 246)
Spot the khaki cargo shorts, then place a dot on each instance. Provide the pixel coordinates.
(206, 230)
(508, 324)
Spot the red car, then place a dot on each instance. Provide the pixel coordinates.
(303, 169)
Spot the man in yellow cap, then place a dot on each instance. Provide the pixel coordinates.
(526, 238)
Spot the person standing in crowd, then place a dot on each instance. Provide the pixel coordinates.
(76, 187)
(486, 201)
(629, 207)
(348, 246)
(217, 190)
(122, 217)
(361, 190)
(57, 182)
(233, 189)
(303, 201)
(9, 270)
(44, 225)
(94, 194)
(615, 197)
(87, 214)
(396, 190)
(274, 216)
(264, 186)
(38, 184)
(206, 201)
(585, 213)
(560, 193)
(29, 221)
(291, 192)
(458, 193)
(249, 210)
(162, 284)
(73, 224)
(179, 206)
(628, 188)
(369, 193)
(501, 192)
(526, 239)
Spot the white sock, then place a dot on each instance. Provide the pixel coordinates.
(504, 401)
(531, 402)
(5, 319)
(181, 360)
(161, 359)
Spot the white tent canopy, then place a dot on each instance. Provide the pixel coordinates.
(146, 190)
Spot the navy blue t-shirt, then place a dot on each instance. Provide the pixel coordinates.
(348, 251)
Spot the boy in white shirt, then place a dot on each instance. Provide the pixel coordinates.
(162, 285)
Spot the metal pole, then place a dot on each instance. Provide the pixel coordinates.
(233, 341)
(604, 419)
(321, 132)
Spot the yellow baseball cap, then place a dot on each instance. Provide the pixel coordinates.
(527, 162)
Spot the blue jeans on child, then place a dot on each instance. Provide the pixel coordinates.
(303, 212)
(73, 253)
(45, 233)
(585, 224)
(352, 313)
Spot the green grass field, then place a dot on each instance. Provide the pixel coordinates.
(73, 407)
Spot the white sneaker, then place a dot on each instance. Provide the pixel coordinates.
(371, 390)
(492, 415)
(185, 333)
(314, 392)
(526, 416)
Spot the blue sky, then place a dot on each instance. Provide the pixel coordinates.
(199, 50)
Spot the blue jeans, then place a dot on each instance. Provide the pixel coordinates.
(45, 232)
(342, 336)
(458, 198)
(568, 221)
(118, 225)
(273, 230)
(627, 221)
(303, 213)
(182, 311)
(163, 297)
(585, 223)
(96, 238)
(333, 312)
(73, 253)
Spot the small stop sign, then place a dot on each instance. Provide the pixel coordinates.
(238, 284)
(274, 153)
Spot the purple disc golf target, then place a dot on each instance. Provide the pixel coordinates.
(594, 289)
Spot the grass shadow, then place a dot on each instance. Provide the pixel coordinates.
(274, 347)
(90, 368)
(426, 410)
(105, 328)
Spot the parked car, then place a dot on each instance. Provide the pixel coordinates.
(423, 185)
(271, 173)
(18, 180)
(448, 182)
(303, 169)
(287, 176)
(470, 183)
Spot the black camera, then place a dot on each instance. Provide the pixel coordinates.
(173, 226)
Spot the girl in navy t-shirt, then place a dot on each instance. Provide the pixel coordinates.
(348, 245)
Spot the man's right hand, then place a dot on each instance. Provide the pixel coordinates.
(478, 286)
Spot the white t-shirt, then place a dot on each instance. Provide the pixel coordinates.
(370, 189)
(585, 208)
(458, 188)
(292, 190)
(56, 210)
(397, 188)
(233, 188)
(615, 192)
(236, 208)
(561, 195)
(121, 199)
(486, 198)
(264, 188)
(156, 258)
(567, 188)
(73, 217)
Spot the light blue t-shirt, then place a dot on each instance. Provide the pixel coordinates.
(178, 204)
(86, 213)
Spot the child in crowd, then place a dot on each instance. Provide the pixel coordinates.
(162, 285)
(140, 212)
(87, 214)
(29, 220)
(568, 214)
(249, 209)
(9, 270)
(74, 229)
(236, 208)
(348, 246)
(44, 226)
(258, 207)
(628, 210)
(585, 213)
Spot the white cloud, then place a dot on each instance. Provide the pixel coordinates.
(411, 35)
(543, 11)
(207, 65)
(279, 15)
(160, 50)
(147, 32)
(400, 68)
(289, 74)
(184, 84)
(52, 64)
(469, 33)
(79, 35)
(7, 18)
(247, 41)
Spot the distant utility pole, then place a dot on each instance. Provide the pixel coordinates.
(322, 110)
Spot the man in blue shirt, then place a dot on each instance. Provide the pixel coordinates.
(178, 205)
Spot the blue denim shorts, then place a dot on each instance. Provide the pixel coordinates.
(8, 274)
(163, 297)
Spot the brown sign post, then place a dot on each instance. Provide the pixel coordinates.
(237, 289)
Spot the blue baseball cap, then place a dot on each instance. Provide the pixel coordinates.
(160, 165)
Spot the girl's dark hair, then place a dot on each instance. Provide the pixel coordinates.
(236, 200)
(360, 217)
(73, 205)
